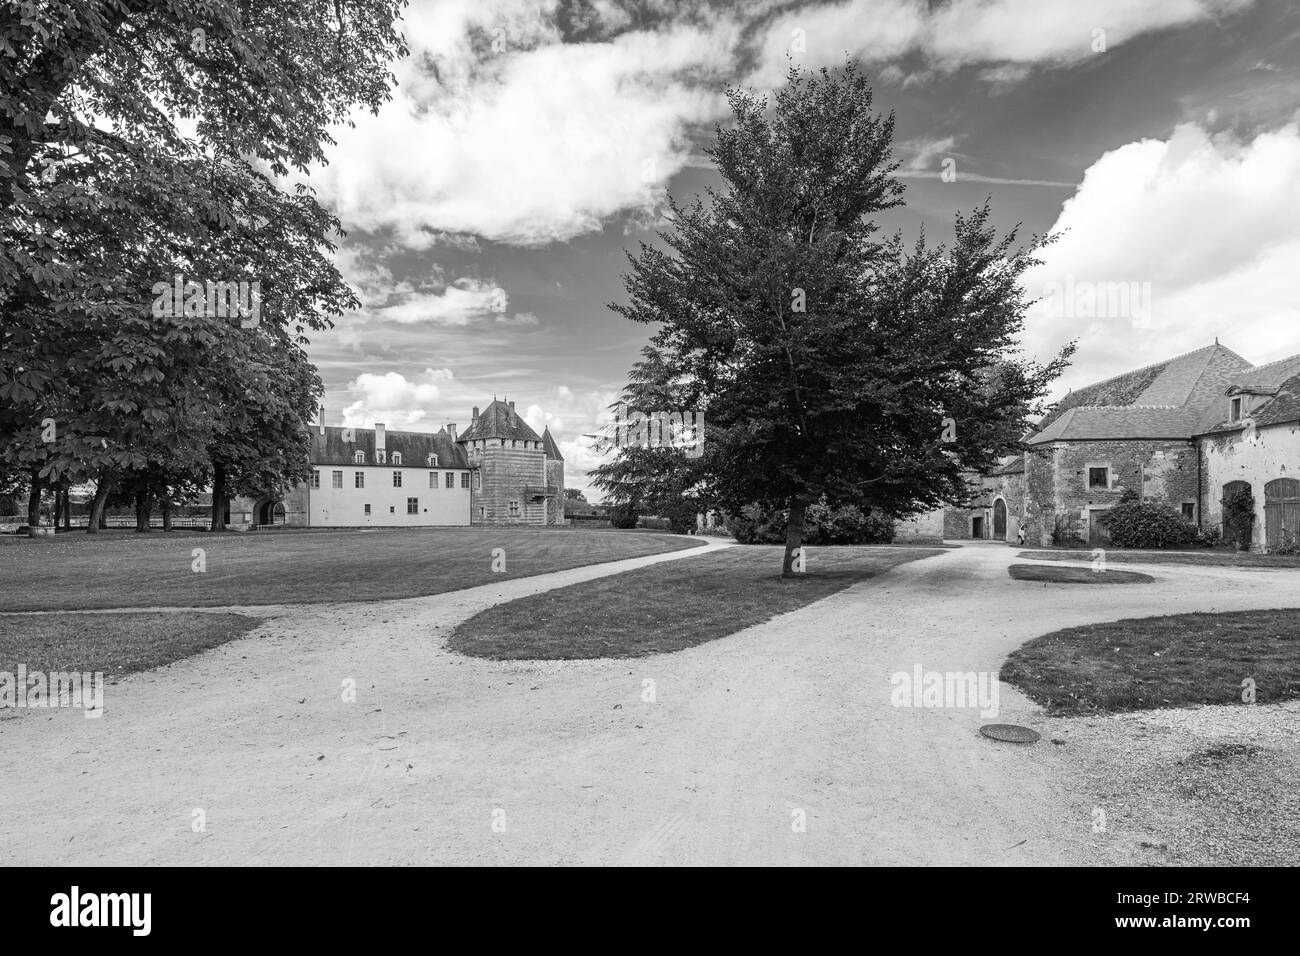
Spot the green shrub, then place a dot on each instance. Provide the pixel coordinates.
(1288, 545)
(1239, 518)
(652, 521)
(623, 516)
(1139, 524)
(822, 525)
(1209, 537)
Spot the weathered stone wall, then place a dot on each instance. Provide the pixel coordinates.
(925, 528)
(1057, 479)
(555, 505)
(1275, 453)
(503, 475)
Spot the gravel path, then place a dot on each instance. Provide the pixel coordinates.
(446, 759)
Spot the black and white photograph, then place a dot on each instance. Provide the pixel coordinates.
(650, 433)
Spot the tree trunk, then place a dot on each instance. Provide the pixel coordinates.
(96, 519)
(793, 536)
(218, 498)
(165, 503)
(34, 504)
(143, 509)
(67, 509)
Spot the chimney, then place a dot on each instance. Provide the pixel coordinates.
(322, 419)
(512, 406)
(451, 430)
(379, 436)
(474, 417)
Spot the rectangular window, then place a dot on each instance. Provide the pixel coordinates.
(397, 479)
(451, 479)
(433, 479)
(514, 509)
(367, 511)
(315, 478)
(1189, 511)
(412, 506)
(1099, 478)
(1236, 409)
(478, 481)
(360, 479)
(464, 479)
(338, 479)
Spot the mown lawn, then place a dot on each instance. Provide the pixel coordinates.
(1231, 559)
(1073, 575)
(1172, 661)
(124, 569)
(670, 606)
(115, 644)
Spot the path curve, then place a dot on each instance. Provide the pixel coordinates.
(449, 759)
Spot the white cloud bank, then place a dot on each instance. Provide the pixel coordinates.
(1211, 222)
(500, 130)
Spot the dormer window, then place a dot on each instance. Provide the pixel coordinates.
(359, 458)
(433, 461)
(1236, 409)
(397, 458)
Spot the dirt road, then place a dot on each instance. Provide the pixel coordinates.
(777, 745)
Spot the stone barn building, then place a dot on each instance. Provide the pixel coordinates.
(499, 472)
(1179, 432)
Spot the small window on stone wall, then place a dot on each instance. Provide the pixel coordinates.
(1189, 511)
(1099, 477)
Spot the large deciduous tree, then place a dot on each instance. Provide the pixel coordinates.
(830, 362)
(143, 139)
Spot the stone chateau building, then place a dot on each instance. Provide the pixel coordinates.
(499, 472)
(1186, 432)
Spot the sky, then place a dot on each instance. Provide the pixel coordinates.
(528, 146)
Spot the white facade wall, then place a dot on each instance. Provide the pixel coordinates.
(345, 507)
(1275, 453)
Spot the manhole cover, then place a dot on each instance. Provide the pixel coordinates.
(1010, 733)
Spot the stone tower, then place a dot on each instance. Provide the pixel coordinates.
(518, 474)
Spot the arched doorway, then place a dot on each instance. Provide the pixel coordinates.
(1281, 511)
(270, 513)
(1240, 531)
(999, 520)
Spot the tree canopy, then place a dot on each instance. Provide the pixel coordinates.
(831, 363)
(144, 140)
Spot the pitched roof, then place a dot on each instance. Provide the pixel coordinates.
(338, 445)
(499, 420)
(1170, 399)
(1268, 376)
(1285, 407)
(1015, 466)
(548, 445)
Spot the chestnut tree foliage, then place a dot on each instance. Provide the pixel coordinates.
(831, 362)
(144, 139)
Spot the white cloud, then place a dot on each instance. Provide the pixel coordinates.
(500, 130)
(458, 304)
(1212, 223)
(969, 31)
(392, 399)
(533, 141)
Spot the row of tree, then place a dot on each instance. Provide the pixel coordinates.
(831, 365)
(145, 140)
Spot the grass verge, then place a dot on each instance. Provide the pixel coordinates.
(1155, 662)
(116, 644)
(669, 606)
(1073, 575)
(1229, 559)
(125, 569)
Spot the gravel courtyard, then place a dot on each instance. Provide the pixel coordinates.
(448, 759)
